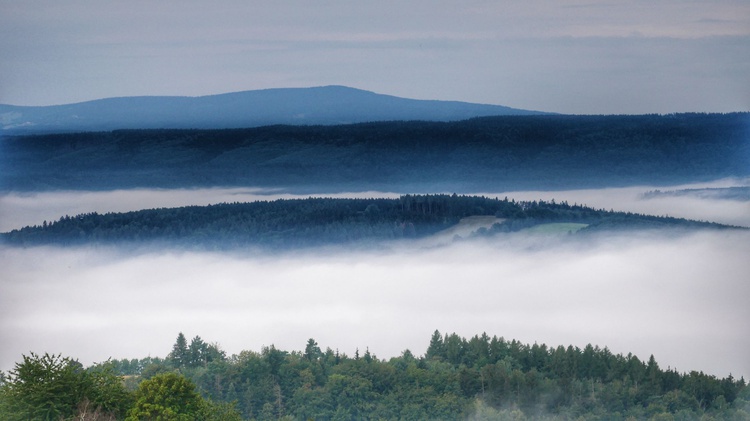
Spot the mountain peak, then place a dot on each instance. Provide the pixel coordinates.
(321, 105)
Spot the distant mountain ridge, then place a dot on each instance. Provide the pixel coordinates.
(324, 105)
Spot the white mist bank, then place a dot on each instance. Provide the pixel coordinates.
(630, 199)
(682, 299)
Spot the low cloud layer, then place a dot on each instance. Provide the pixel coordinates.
(631, 199)
(682, 299)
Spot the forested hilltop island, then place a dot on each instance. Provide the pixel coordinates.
(501, 153)
(481, 378)
(313, 222)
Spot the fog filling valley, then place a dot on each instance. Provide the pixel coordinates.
(682, 298)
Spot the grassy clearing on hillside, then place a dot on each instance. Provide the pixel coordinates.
(555, 228)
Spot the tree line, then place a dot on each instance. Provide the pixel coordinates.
(482, 154)
(479, 378)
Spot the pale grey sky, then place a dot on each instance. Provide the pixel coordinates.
(595, 56)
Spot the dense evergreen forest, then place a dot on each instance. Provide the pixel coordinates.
(481, 378)
(482, 154)
(300, 223)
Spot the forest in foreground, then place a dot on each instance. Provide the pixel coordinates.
(313, 222)
(480, 378)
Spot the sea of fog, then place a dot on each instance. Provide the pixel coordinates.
(683, 298)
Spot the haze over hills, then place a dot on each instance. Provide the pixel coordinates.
(300, 106)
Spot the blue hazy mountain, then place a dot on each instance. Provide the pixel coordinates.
(299, 106)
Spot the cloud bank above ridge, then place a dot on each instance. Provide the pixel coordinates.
(570, 57)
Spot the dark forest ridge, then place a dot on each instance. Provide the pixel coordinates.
(483, 154)
(314, 222)
(300, 106)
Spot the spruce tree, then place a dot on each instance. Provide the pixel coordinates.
(179, 355)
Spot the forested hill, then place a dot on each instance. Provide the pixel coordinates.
(302, 223)
(483, 154)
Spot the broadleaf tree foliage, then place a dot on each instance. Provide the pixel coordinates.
(52, 387)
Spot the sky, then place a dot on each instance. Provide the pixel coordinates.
(581, 57)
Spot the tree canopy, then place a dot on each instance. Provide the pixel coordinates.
(478, 378)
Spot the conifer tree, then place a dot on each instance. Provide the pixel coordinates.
(179, 355)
